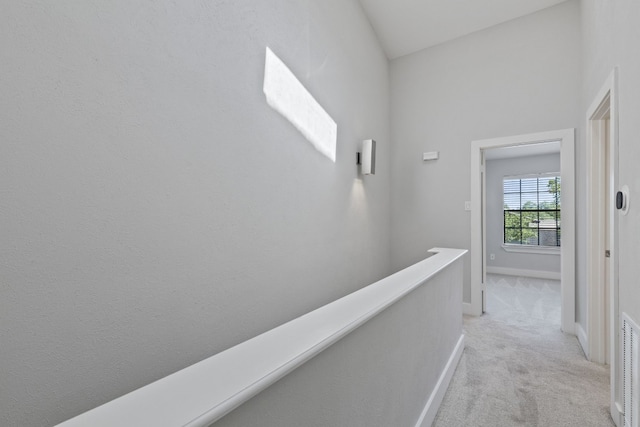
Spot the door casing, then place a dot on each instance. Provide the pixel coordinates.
(478, 251)
(603, 319)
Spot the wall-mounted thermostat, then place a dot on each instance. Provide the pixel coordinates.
(622, 200)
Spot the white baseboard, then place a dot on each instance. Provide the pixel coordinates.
(582, 339)
(538, 274)
(433, 404)
(466, 309)
(570, 329)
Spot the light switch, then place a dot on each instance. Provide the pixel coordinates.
(467, 206)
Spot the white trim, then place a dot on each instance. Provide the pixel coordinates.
(532, 249)
(204, 392)
(567, 160)
(596, 233)
(433, 404)
(568, 249)
(537, 274)
(477, 227)
(582, 339)
(617, 413)
(466, 309)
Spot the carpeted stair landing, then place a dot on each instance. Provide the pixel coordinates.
(519, 369)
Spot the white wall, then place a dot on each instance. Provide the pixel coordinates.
(611, 34)
(496, 170)
(375, 376)
(155, 210)
(516, 78)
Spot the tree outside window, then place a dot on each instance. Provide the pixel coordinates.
(532, 211)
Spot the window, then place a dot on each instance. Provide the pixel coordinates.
(532, 210)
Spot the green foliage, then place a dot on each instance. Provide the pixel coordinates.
(521, 225)
(553, 187)
(517, 228)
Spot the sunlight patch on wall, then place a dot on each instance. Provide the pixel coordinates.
(289, 97)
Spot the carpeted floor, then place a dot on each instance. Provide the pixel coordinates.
(519, 369)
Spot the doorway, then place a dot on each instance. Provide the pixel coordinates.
(566, 138)
(523, 235)
(601, 341)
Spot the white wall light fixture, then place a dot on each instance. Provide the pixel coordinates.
(367, 158)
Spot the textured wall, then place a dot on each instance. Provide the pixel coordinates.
(612, 39)
(496, 170)
(155, 210)
(516, 78)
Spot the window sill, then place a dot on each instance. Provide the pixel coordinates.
(529, 249)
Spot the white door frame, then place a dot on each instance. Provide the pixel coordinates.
(567, 250)
(605, 103)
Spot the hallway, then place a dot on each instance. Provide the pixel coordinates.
(519, 369)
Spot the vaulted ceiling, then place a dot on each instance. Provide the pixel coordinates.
(407, 26)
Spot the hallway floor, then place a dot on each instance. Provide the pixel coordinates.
(519, 369)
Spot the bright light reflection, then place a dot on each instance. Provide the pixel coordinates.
(358, 207)
(289, 97)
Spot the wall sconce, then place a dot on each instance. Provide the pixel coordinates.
(367, 158)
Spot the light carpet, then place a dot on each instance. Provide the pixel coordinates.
(519, 369)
